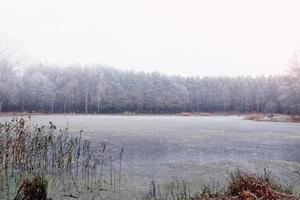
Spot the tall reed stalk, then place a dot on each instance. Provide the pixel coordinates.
(65, 159)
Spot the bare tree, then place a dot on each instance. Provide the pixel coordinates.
(75, 88)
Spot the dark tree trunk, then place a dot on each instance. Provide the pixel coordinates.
(86, 103)
(52, 107)
(1, 105)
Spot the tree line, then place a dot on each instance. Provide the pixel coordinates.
(98, 89)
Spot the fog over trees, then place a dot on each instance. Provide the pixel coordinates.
(98, 89)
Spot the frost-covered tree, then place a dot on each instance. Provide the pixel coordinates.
(290, 91)
(8, 80)
(98, 89)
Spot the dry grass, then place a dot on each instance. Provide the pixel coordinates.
(127, 113)
(252, 186)
(273, 117)
(245, 186)
(70, 160)
(206, 114)
(32, 189)
(186, 114)
(241, 186)
(254, 116)
(295, 118)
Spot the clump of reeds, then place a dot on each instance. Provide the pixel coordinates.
(186, 114)
(241, 186)
(295, 118)
(176, 190)
(254, 116)
(63, 158)
(32, 189)
(261, 186)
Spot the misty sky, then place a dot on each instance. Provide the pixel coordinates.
(188, 37)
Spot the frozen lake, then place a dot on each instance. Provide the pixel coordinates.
(161, 147)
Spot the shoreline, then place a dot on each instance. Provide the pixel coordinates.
(118, 114)
(184, 114)
(260, 117)
(273, 118)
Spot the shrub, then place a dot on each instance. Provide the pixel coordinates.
(32, 189)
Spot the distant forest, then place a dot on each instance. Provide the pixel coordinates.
(97, 89)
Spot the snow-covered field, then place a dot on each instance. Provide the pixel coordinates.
(191, 148)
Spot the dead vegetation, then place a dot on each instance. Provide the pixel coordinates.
(241, 186)
(295, 118)
(203, 114)
(71, 163)
(32, 189)
(186, 114)
(273, 117)
(254, 116)
(206, 114)
(247, 186)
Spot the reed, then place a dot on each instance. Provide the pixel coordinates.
(70, 162)
(241, 185)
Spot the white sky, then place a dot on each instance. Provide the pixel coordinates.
(188, 37)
